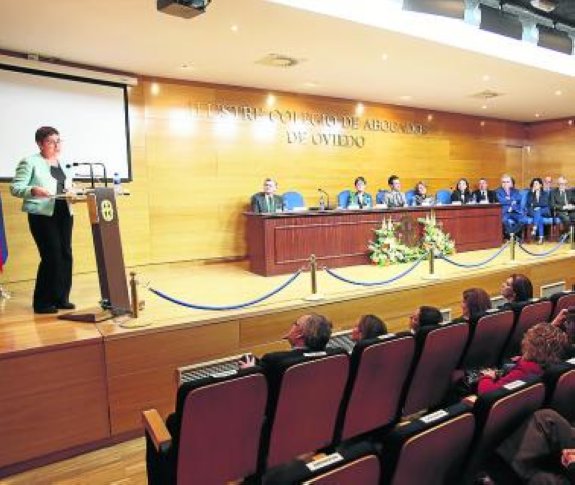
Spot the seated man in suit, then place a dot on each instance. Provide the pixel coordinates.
(360, 198)
(483, 195)
(547, 185)
(395, 197)
(563, 202)
(309, 333)
(267, 201)
(509, 197)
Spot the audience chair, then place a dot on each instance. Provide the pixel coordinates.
(560, 384)
(213, 436)
(487, 339)
(443, 196)
(438, 351)
(497, 415)
(380, 196)
(358, 464)
(529, 315)
(429, 450)
(293, 200)
(379, 368)
(409, 196)
(561, 300)
(305, 392)
(343, 198)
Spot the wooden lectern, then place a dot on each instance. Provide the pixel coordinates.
(109, 259)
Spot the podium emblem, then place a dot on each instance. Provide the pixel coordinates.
(107, 210)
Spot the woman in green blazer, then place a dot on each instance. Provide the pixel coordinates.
(39, 178)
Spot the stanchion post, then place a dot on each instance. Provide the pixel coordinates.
(431, 259)
(512, 243)
(134, 295)
(313, 274)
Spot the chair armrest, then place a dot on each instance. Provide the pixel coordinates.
(156, 428)
(470, 400)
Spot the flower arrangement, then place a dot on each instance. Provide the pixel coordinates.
(388, 248)
(434, 237)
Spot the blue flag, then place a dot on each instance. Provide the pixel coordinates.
(3, 243)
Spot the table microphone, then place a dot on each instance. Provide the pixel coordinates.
(326, 195)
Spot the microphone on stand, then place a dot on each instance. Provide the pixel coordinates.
(91, 165)
(326, 196)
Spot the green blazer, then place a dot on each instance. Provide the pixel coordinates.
(34, 171)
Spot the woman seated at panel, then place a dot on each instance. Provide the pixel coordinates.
(543, 345)
(420, 195)
(360, 198)
(537, 206)
(474, 304)
(517, 290)
(462, 194)
(368, 327)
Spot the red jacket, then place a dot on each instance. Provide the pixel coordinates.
(522, 370)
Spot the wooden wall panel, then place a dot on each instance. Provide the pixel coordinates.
(193, 176)
(52, 400)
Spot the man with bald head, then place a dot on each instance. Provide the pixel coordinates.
(512, 214)
(563, 202)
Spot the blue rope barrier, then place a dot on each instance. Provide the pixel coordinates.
(375, 283)
(474, 265)
(546, 253)
(227, 307)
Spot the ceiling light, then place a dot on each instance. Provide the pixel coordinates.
(384, 57)
(234, 28)
(405, 97)
(486, 77)
(558, 92)
(310, 84)
(279, 60)
(484, 106)
(188, 66)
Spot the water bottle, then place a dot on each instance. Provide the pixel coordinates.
(321, 203)
(117, 182)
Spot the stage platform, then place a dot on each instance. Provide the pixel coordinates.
(67, 386)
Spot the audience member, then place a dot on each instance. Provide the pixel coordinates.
(517, 290)
(537, 206)
(547, 185)
(512, 214)
(462, 193)
(395, 197)
(474, 304)
(309, 333)
(563, 202)
(541, 450)
(420, 195)
(267, 201)
(368, 327)
(483, 195)
(360, 198)
(424, 316)
(542, 345)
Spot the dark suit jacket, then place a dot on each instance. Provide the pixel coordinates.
(456, 196)
(491, 197)
(259, 206)
(557, 202)
(532, 203)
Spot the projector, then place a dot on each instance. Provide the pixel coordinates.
(183, 8)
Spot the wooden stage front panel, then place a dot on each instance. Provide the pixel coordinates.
(282, 243)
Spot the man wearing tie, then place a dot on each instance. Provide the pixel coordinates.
(548, 185)
(267, 201)
(483, 195)
(394, 198)
(563, 202)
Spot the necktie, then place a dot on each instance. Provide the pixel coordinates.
(563, 196)
(483, 195)
(269, 203)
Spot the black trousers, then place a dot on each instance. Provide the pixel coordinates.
(53, 237)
